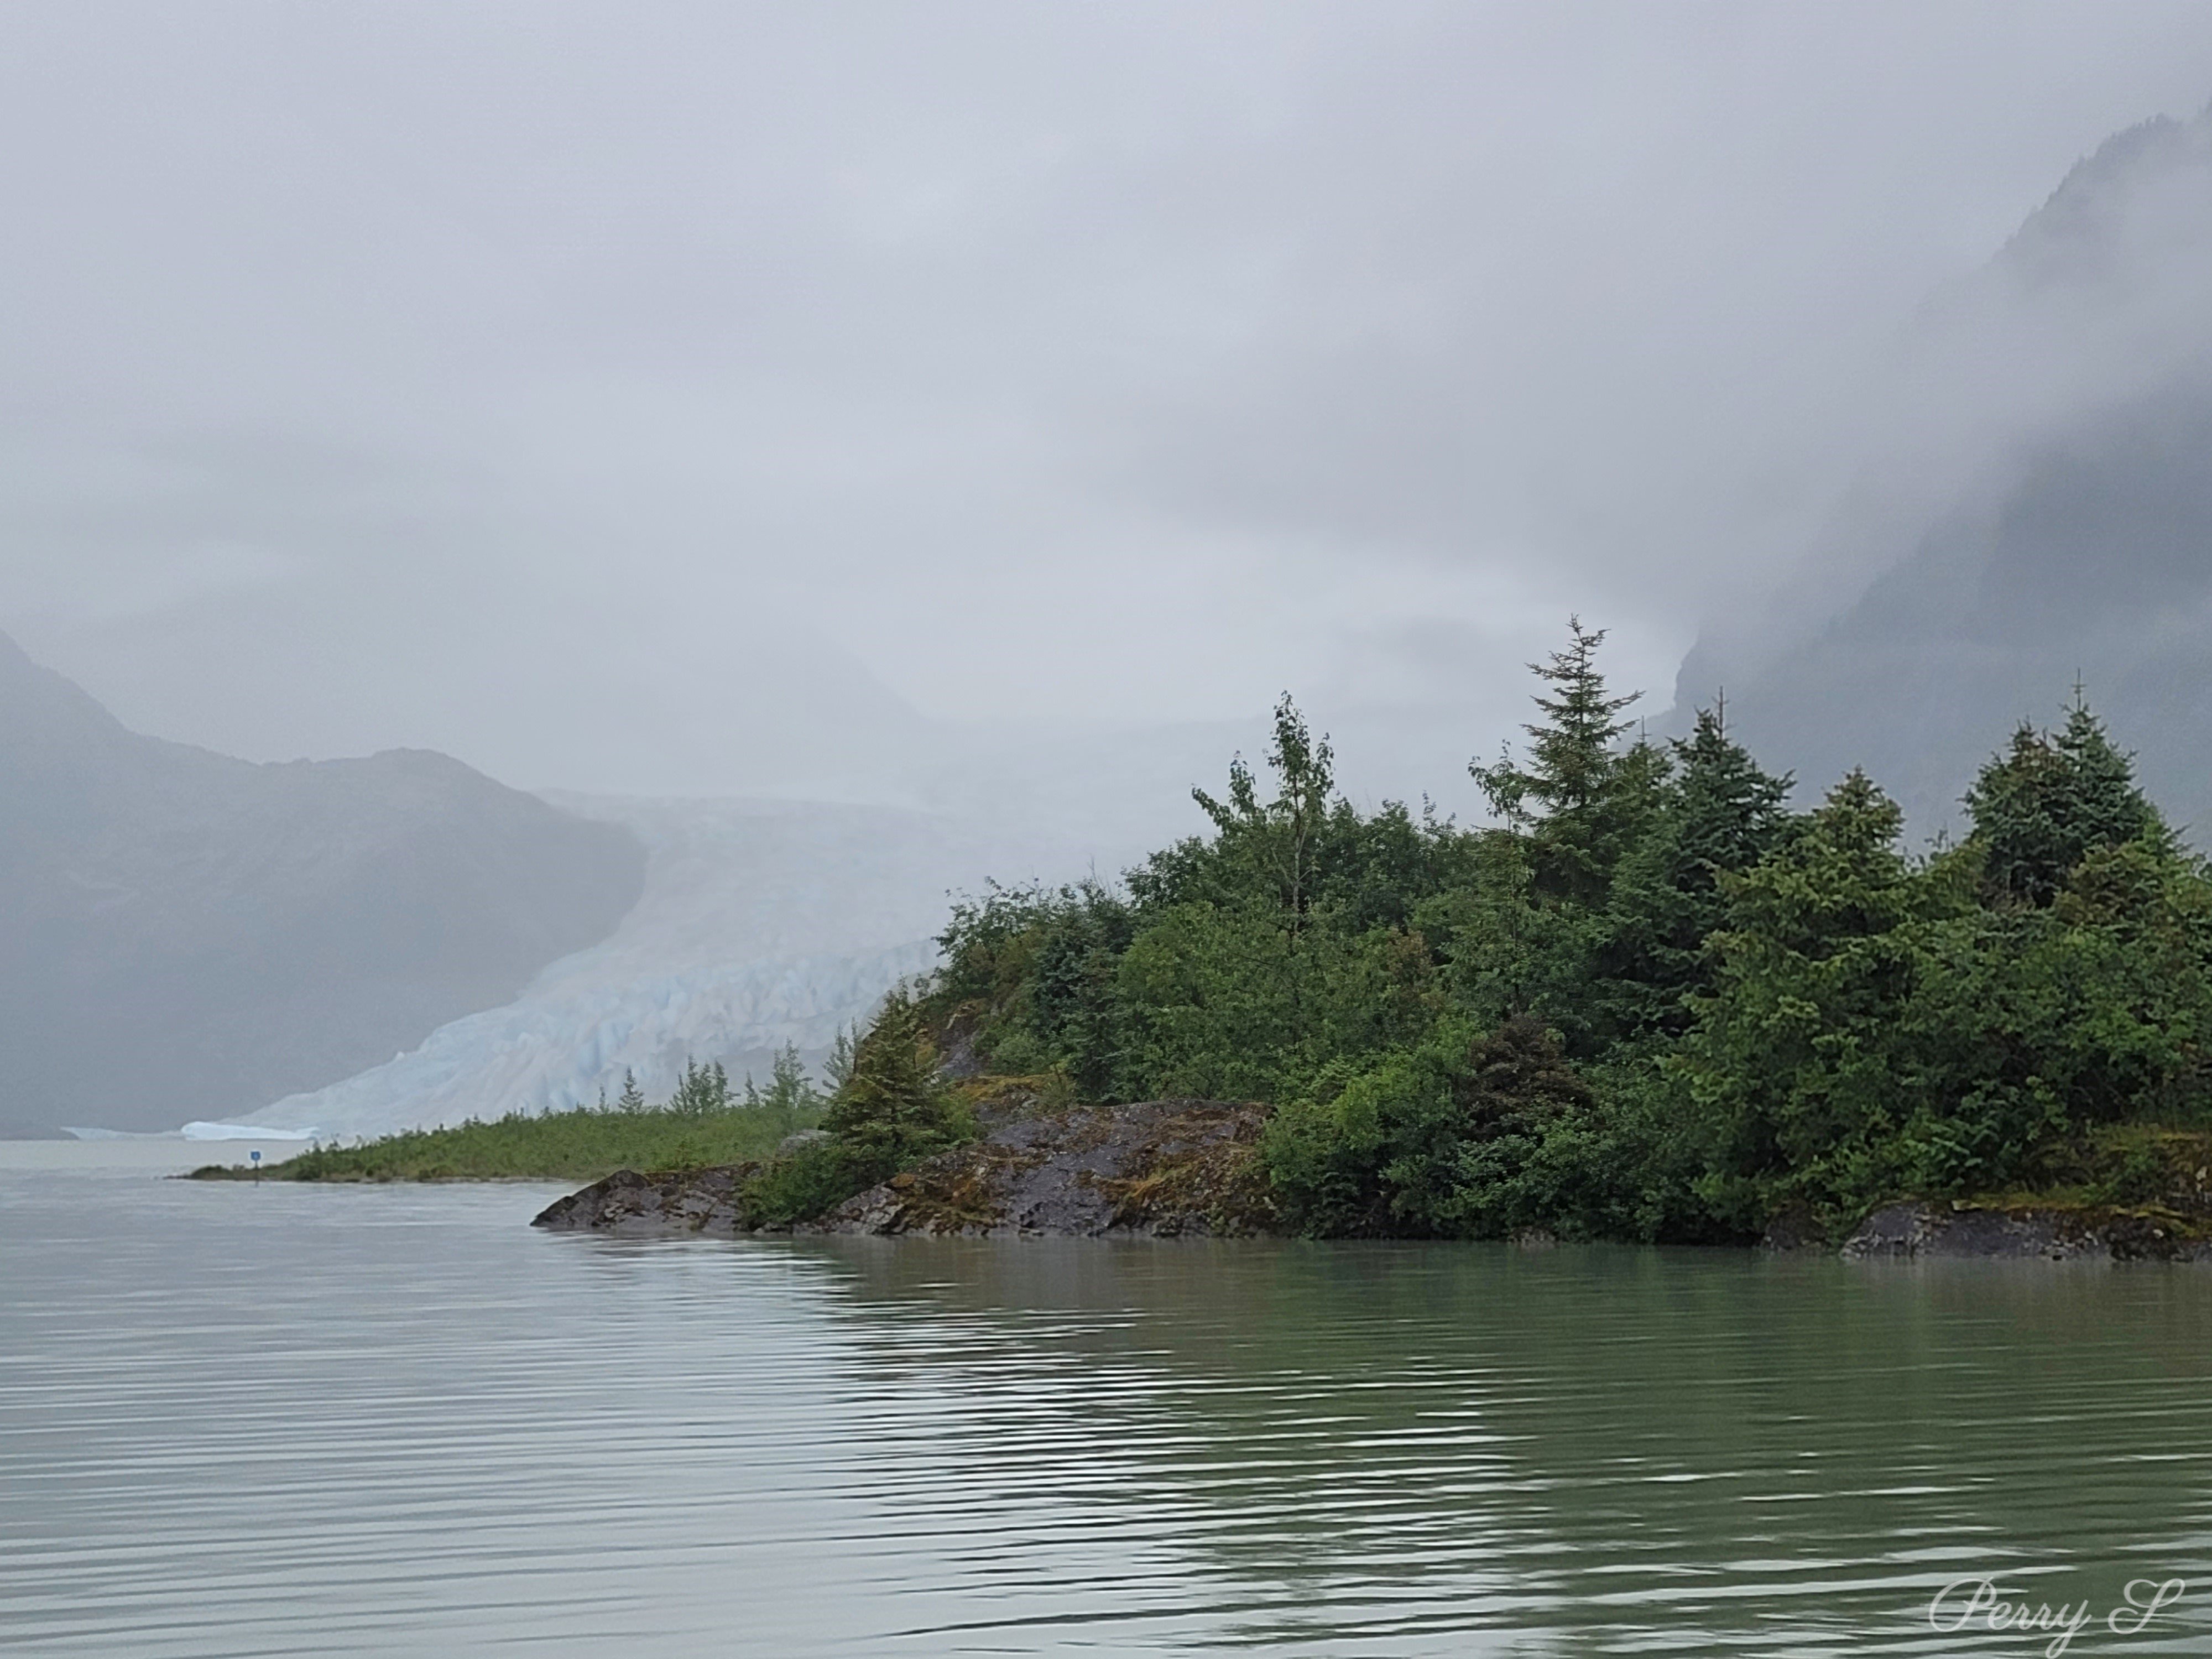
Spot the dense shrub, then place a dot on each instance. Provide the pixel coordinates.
(1652, 1003)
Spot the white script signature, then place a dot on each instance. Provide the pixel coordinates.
(1978, 1603)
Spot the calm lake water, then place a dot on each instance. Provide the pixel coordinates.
(238, 1420)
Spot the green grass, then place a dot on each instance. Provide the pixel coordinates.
(575, 1145)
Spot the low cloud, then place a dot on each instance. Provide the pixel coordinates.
(719, 398)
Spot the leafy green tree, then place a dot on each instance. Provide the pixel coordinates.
(1325, 1148)
(1270, 850)
(1075, 1008)
(1224, 1002)
(1508, 951)
(837, 1068)
(1029, 976)
(1515, 1091)
(1449, 1137)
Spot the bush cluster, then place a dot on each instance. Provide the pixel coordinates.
(1652, 1002)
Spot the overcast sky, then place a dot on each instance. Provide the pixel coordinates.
(649, 396)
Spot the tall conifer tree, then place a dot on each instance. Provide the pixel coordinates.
(2049, 800)
(1580, 798)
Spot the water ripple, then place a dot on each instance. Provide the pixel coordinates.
(247, 1421)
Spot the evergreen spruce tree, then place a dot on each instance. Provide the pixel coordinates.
(632, 1098)
(2050, 801)
(790, 1092)
(894, 1106)
(837, 1068)
(705, 1089)
(1720, 815)
(1580, 799)
(1796, 1063)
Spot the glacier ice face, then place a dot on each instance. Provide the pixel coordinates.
(566, 1044)
(763, 924)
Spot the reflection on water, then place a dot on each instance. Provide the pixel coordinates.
(282, 1420)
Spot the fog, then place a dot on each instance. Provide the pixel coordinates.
(740, 399)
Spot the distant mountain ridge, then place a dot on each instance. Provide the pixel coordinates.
(763, 924)
(184, 934)
(2075, 372)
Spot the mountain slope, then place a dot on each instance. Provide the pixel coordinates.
(2071, 386)
(187, 935)
(763, 923)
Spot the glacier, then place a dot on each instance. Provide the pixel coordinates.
(763, 924)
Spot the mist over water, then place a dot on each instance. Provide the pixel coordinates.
(840, 458)
(239, 1420)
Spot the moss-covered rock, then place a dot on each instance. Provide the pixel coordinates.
(1157, 1168)
(2127, 1192)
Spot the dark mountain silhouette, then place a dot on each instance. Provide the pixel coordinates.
(187, 935)
(2079, 540)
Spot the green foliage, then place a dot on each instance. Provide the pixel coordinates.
(700, 1091)
(1652, 1003)
(1328, 1150)
(1035, 969)
(805, 1182)
(1517, 1098)
(1793, 1065)
(582, 1144)
(1480, 1138)
(1234, 965)
(1232, 1003)
(791, 1098)
(700, 1126)
(1276, 848)
(1876, 1031)
(894, 1106)
(1719, 815)
(2050, 801)
(1581, 798)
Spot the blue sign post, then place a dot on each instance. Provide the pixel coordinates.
(256, 1156)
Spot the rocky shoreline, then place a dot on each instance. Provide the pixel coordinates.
(1154, 1168)
(1188, 1168)
(2024, 1232)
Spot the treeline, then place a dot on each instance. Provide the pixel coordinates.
(1654, 1002)
(704, 1121)
(801, 1147)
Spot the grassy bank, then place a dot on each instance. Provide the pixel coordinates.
(574, 1145)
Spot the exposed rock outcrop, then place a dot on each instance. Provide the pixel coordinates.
(631, 1205)
(1161, 1167)
(2054, 1233)
(1156, 1168)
